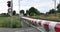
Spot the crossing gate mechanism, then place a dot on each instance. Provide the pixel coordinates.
(47, 26)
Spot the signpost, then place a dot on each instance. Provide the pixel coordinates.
(10, 9)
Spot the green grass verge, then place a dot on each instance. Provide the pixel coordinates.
(6, 22)
(46, 18)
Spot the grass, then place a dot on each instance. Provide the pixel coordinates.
(50, 18)
(6, 22)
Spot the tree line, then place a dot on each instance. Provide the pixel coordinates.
(33, 11)
(53, 11)
(6, 14)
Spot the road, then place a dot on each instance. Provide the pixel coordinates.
(18, 30)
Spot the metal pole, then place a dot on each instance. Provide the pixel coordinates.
(55, 4)
(19, 11)
(59, 1)
(19, 5)
(11, 13)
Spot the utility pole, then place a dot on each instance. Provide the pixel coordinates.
(19, 4)
(19, 11)
(19, 7)
(55, 6)
(59, 1)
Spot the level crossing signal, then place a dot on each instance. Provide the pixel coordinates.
(9, 3)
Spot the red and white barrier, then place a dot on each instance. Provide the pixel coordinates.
(47, 26)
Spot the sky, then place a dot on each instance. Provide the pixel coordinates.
(42, 5)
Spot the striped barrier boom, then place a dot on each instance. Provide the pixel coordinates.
(47, 26)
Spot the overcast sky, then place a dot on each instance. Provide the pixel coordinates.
(42, 5)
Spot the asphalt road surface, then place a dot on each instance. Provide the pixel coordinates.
(18, 30)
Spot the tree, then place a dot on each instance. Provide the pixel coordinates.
(22, 12)
(27, 12)
(58, 7)
(52, 11)
(14, 12)
(33, 11)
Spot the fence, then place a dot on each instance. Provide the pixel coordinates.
(42, 25)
